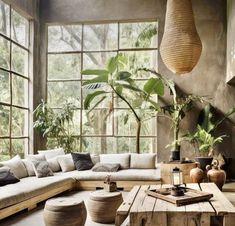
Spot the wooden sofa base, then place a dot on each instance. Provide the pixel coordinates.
(76, 185)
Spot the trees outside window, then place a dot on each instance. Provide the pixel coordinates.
(72, 48)
(14, 80)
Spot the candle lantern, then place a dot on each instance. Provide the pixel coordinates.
(177, 180)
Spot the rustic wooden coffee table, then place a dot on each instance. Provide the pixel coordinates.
(144, 210)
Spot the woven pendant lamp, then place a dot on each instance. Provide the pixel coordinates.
(181, 46)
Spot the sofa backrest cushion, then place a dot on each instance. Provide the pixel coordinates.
(51, 157)
(17, 166)
(66, 162)
(143, 161)
(95, 158)
(7, 177)
(29, 167)
(122, 159)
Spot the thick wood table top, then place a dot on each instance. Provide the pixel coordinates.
(147, 210)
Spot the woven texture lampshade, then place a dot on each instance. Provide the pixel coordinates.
(181, 46)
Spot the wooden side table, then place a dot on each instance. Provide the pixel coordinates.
(166, 169)
(64, 211)
(102, 205)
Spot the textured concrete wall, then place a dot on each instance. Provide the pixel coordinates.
(209, 76)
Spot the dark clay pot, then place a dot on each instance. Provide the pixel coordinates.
(204, 161)
(217, 176)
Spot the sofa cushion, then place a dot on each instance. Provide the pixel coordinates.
(17, 166)
(105, 167)
(7, 177)
(30, 187)
(82, 161)
(121, 175)
(66, 162)
(51, 157)
(29, 167)
(95, 158)
(42, 169)
(37, 157)
(143, 161)
(122, 159)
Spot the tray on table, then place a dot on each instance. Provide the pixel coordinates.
(190, 196)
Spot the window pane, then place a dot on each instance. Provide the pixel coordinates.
(19, 122)
(138, 35)
(100, 37)
(64, 66)
(4, 53)
(62, 92)
(97, 122)
(4, 86)
(64, 38)
(124, 144)
(74, 127)
(5, 121)
(19, 146)
(126, 125)
(4, 18)
(19, 91)
(141, 59)
(19, 60)
(53, 143)
(19, 28)
(4, 149)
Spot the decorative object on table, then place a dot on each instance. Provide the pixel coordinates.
(110, 186)
(102, 205)
(197, 174)
(181, 46)
(64, 211)
(190, 196)
(216, 175)
(177, 181)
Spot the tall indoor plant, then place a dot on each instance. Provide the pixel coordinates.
(114, 79)
(56, 124)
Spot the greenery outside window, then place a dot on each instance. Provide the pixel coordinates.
(14, 82)
(72, 48)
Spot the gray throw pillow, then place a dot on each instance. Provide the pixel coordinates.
(106, 167)
(82, 161)
(7, 177)
(42, 169)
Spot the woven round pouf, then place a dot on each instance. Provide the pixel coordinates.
(102, 205)
(65, 211)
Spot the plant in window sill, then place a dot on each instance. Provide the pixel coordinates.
(120, 82)
(56, 124)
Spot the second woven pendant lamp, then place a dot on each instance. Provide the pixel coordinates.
(181, 46)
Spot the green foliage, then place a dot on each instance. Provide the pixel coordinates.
(56, 124)
(90, 97)
(154, 86)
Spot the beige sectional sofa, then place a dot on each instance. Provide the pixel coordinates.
(32, 190)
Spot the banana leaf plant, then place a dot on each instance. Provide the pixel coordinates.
(114, 79)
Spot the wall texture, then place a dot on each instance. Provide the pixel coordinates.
(209, 76)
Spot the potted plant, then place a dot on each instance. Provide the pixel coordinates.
(120, 82)
(55, 124)
(204, 143)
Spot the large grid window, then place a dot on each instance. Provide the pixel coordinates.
(14, 81)
(71, 49)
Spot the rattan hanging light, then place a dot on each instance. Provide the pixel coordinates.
(181, 46)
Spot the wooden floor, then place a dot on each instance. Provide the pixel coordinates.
(35, 218)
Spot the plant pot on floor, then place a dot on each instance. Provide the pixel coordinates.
(204, 161)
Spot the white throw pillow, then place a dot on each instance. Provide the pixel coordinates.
(17, 166)
(51, 157)
(143, 161)
(95, 158)
(66, 163)
(49, 154)
(28, 165)
(37, 157)
(122, 159)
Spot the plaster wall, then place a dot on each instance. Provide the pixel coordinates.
(209, 76)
